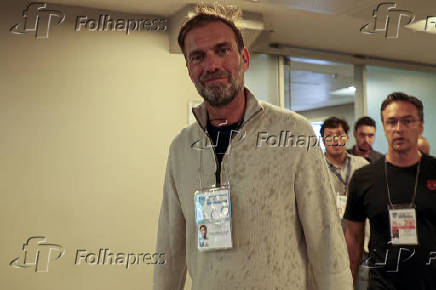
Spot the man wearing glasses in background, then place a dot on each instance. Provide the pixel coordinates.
(398, 195)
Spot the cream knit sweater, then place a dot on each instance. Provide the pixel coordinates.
(286, 232)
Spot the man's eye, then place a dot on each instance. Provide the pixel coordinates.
(407, 121)
(196, 58)
(222, 51)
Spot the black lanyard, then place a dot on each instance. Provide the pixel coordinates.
(412, 203)
(333, 169)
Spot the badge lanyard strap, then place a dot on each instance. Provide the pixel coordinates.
(228, 172)
(200, 170)
(415, 189)
(228, 161)
(333, 169)
(229, 148)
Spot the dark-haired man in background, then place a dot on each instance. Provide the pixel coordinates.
(341, 164)
(398, 195)
(364, 133)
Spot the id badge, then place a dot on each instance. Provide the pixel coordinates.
(213, 218)
(403, 226)
(341, 204)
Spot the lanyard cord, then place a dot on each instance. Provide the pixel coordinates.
(333, 169)
(229, 147)
(412, 203)
(228, 172)
(201, 170)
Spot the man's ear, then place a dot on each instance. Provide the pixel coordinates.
(347, 138)
(355, 133)
(187, 67)
(421, 127)
(245, 58)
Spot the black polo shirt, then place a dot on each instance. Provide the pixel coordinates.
(397, 267)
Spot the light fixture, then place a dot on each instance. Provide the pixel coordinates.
(344, 91)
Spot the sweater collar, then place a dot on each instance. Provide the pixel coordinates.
(252, 106)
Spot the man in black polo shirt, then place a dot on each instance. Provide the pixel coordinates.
(364, 133)
(398, 195)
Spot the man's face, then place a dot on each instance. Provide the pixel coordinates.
(214, 63)
(364, 137)
(402, 126)
(335, 140)
(203, 231)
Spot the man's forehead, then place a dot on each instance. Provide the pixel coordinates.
(208, 36)
(366, 129)
(400, 109)
(337, 129)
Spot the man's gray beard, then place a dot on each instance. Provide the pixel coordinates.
(218, 96)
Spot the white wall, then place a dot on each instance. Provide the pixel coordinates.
(262, 78)
(383, 81)
(86, 119)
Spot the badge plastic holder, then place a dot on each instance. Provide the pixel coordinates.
(213, 218)
(402, 221)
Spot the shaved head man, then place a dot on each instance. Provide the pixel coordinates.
(423, 145)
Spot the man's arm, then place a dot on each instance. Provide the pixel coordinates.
(171, 238)
(354, 236)
(316, 206)
(355, 215)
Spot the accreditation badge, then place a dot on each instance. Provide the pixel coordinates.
(403, 226)
(341, 204)
(213, 218)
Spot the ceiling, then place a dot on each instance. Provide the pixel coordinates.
(326, 25)
(330, 28)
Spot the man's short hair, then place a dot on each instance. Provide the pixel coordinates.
(364, 121)
(334, 122)
(207, 13)
(398, 96)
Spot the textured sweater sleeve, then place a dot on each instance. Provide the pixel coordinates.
(171, 236)
(326, 248)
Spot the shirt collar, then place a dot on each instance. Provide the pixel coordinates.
(252, 106)
(354, 150)
(343, 164)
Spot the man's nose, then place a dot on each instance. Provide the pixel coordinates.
(212, 62)
(399, 126)
(336, 140)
